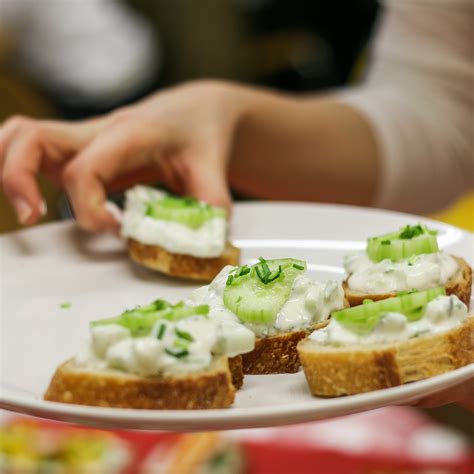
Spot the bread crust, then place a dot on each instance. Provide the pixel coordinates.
(335, 371)
(112, 388)
(180, 265)
(237, 371)
(460, 284)
(276, 354)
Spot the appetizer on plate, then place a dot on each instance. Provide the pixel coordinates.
(159, 356)
(196, 453)
(181, 237)
(389, 342)
(277, 302)
(403, 261)
(28, 447)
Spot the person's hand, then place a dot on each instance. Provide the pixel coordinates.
(462, 394)
(180, 137)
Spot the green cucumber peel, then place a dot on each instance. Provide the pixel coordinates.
(184, 210)
(408, 242)
(141, 320)
(257, 293)
(362, 319)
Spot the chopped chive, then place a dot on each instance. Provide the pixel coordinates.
(260, 275)
(179, 354)
(410, 231)
(229, 281)
(184, 335)
(298, 267)
(386, 242)
(65, 305)
(161, 304)
(274, 275)
(245, 270)
(265, 268)
(181, 344)
(161, 331)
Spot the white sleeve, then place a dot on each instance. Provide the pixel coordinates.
(419, 100)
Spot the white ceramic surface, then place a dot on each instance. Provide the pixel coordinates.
(44, 267)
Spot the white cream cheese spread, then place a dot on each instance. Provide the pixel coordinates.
(441, 314)
(309, 302)
(205, 241)
(172, 348)
(418, 272)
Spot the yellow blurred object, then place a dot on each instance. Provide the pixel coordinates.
(19, 97)
(461, 214)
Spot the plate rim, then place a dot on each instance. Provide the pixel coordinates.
(232, 417)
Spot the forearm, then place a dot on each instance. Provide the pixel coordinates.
(311, 149)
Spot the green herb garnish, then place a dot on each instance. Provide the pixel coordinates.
(181, 344)
(65, 305)
(184, 335)
(179, 354)
(161, 331)
(264, 273)
(410, 231)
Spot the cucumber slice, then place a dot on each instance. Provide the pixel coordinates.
(258, 294)
(396, 246)
(141, 320)
(363, 319)
(187, 211)
(181, 311)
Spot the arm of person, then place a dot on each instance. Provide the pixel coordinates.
(402, 140)
(307, 149)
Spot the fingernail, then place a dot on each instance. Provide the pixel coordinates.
(23, 210)
(43, 208)
(114, 211)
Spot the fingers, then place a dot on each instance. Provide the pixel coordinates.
(28, 146)
(463, 394)
(204, 175)
(118, 150)
(22, 163)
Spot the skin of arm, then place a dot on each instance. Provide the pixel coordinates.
(194, 138)
(305, 149)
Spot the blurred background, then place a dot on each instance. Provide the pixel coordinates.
(73, 59)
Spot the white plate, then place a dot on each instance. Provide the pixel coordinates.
(44, 267)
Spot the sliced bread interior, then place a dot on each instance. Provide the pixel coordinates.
(276, 354)
(157, 258)
(211, 388)
(333, 371)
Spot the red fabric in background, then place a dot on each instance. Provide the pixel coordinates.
(381, 442)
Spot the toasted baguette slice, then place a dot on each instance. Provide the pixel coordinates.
(276, 354)
(211, 388)
(179, 265)
(334, 371)
(237, 371)
(459, 284)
